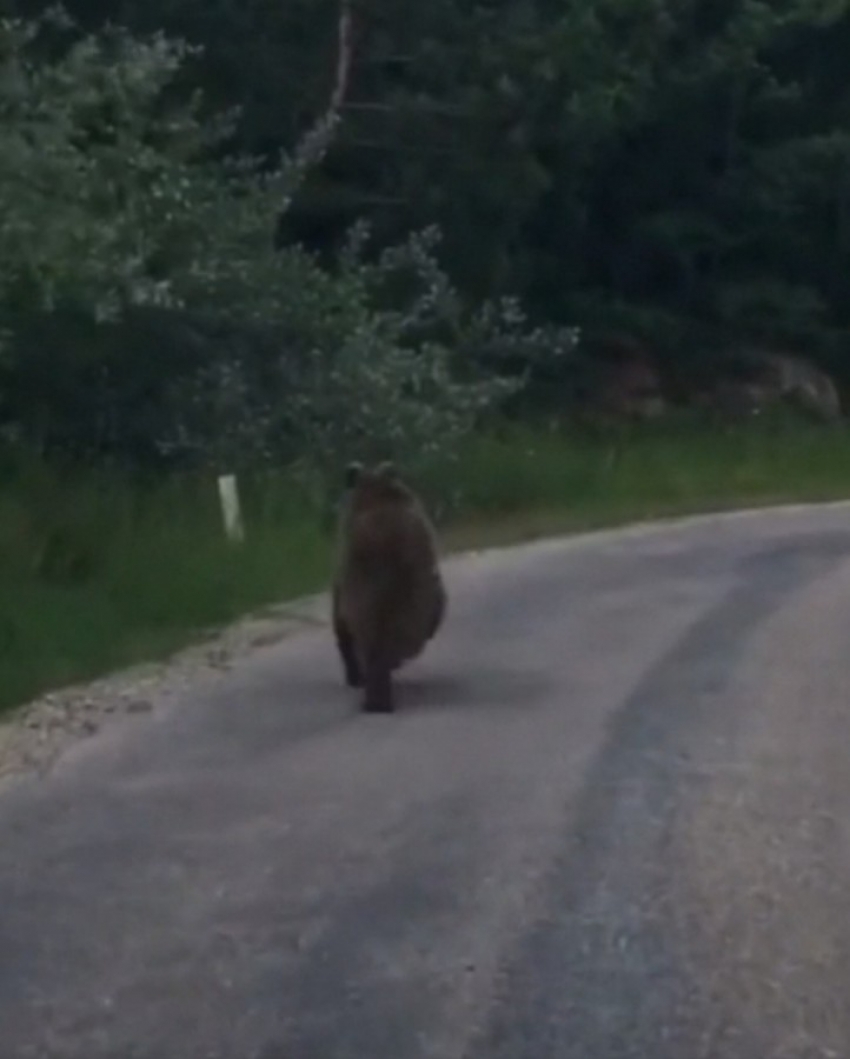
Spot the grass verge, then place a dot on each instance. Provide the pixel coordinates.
(98, 573)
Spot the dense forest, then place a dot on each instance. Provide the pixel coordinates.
(245, 231)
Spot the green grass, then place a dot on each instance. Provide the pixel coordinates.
(98, 573)
(533, 483)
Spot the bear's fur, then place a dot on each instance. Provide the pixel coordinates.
(388, 594)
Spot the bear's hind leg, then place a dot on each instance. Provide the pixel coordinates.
(345, 645)
(378, 693)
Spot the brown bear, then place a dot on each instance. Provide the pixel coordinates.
(388, 595)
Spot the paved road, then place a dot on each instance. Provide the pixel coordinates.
(611, 822)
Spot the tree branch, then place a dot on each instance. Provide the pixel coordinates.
(314, 144)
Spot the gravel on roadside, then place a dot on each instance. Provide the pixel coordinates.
(33, 735)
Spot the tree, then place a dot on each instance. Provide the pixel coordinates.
(124, 227)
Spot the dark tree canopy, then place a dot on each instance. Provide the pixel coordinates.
(677, 169)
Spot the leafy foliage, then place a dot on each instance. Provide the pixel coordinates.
(677, 170)
(119, 218)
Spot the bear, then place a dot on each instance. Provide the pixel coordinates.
(388, 594)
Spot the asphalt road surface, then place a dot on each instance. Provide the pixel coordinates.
(610, 821)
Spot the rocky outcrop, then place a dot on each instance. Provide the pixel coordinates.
(768, 380)
(803, 385)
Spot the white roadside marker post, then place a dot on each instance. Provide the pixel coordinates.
(230, 509)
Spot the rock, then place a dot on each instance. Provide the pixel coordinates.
(763, 380)
(805, 385)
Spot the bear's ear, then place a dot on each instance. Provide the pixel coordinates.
(352, 473)
(387, 470)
